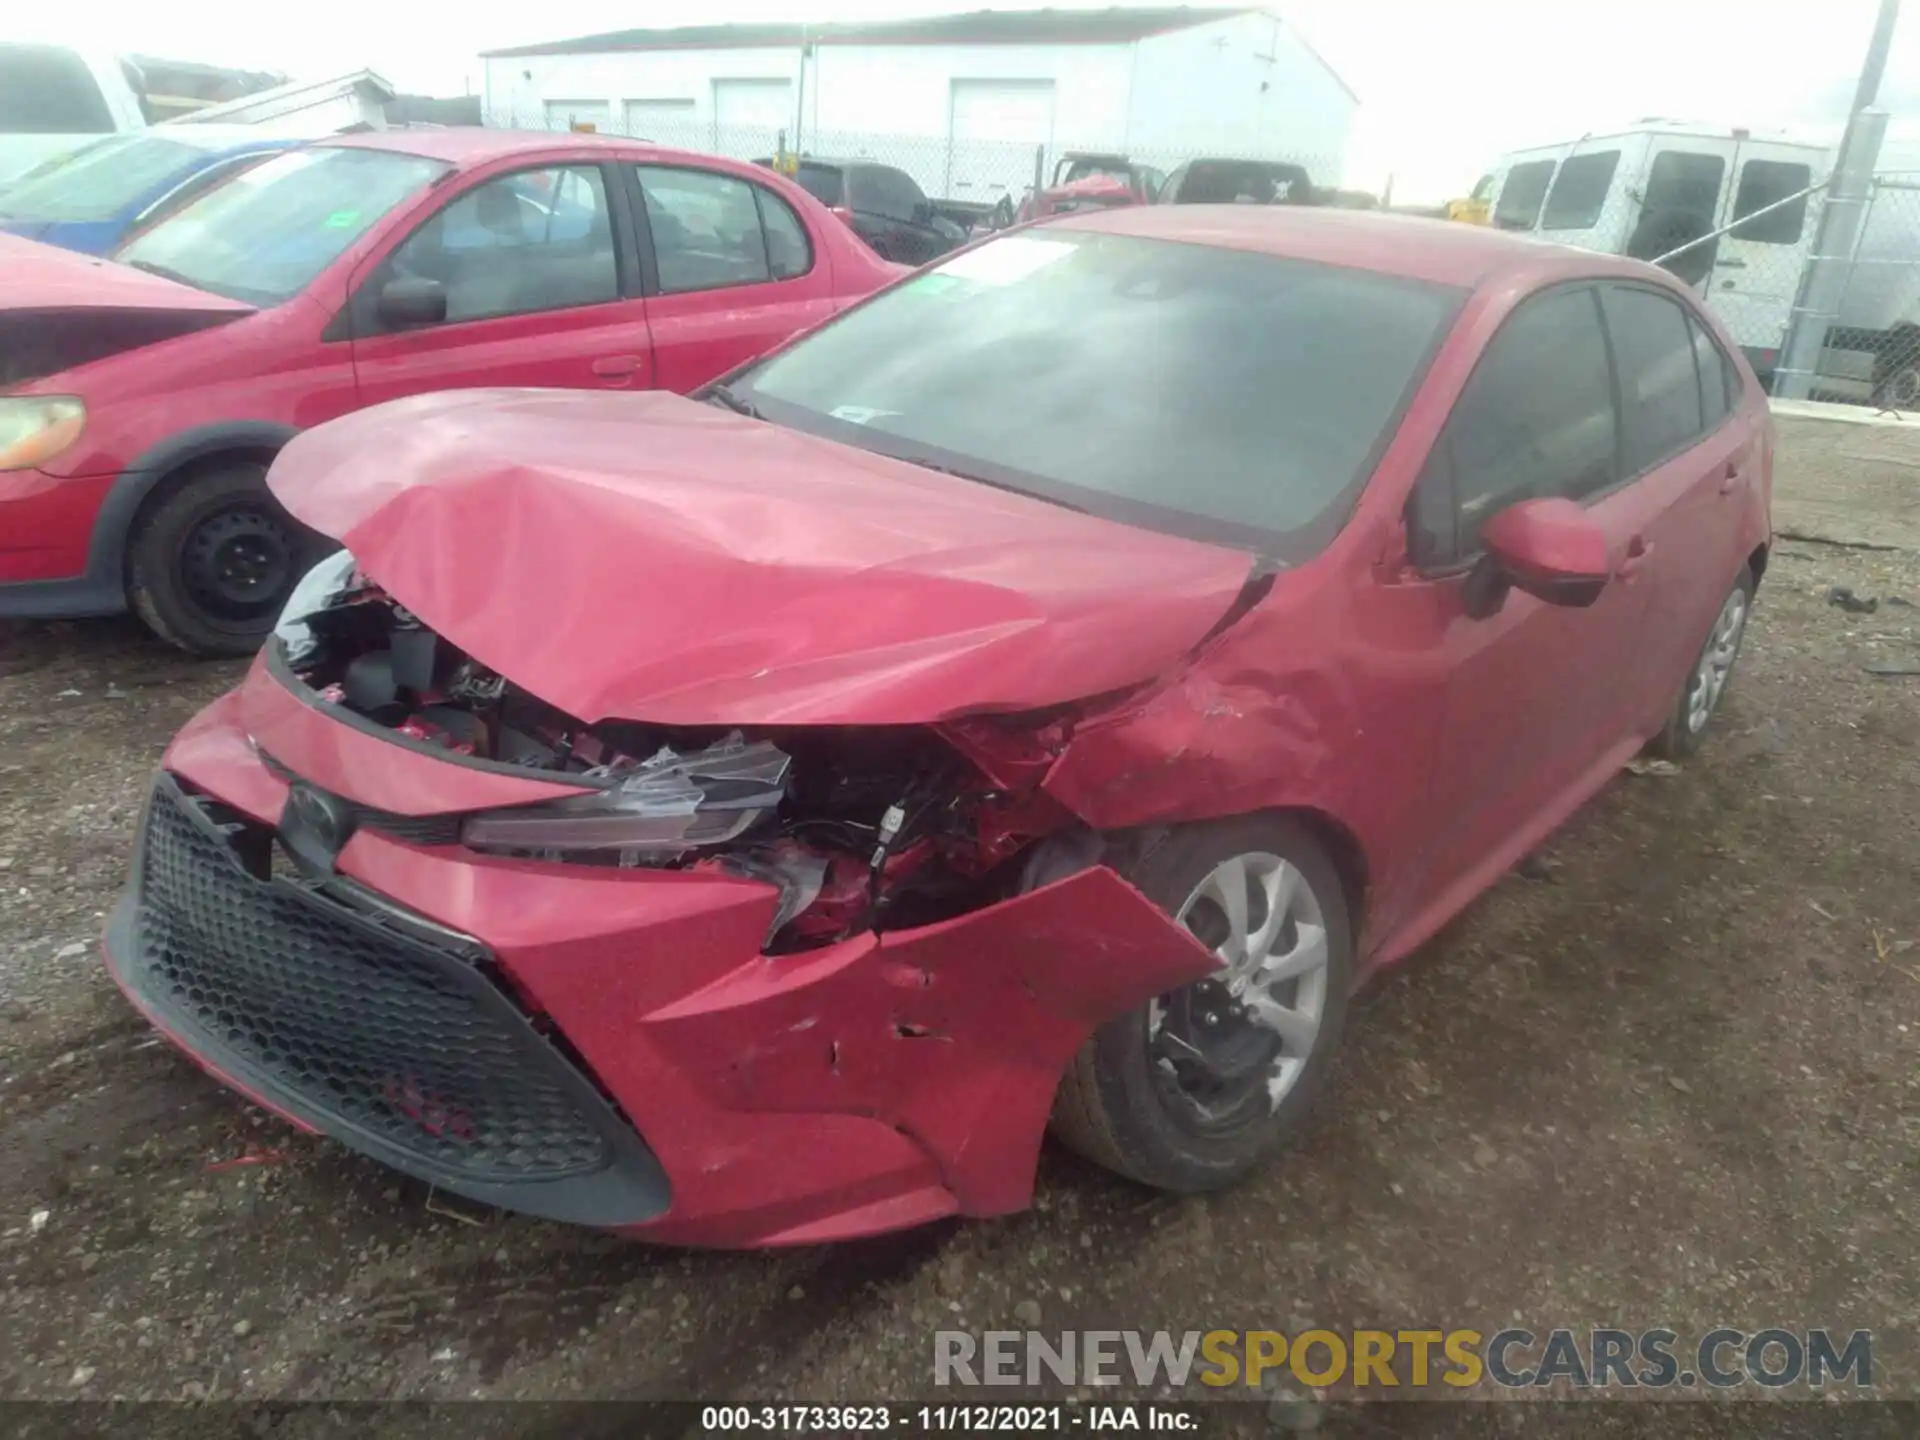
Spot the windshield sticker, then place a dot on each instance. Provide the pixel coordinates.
(859, 414)
(343, 219)
(1004, 261)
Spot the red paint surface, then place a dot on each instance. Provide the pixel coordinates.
(36, 276)
(275, 367)
(807, 582)
(677, 563)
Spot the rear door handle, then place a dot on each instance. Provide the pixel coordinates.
(1637, 552)
(617, 367)
(1730, 477)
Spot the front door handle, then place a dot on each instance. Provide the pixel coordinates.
(1637, 552)
(1730, 477)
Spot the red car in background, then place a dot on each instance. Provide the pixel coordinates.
(1040, 694)
(142, 400)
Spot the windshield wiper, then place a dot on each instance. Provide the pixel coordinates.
(1005, 485)
(723, 395)
(163, 272)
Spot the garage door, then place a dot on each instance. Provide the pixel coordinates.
(665, 122)
(995, 126)
(748, 116)
(565, 114)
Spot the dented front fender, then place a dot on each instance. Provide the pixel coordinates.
(955, 1033)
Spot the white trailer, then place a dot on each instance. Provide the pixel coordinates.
(1648, 189)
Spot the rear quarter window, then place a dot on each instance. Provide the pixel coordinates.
(1768, 182)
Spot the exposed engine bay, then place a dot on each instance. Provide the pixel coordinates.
(880, 827)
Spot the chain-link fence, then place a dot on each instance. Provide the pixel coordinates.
(967, 173)
(1741, 225)
(1872, 350)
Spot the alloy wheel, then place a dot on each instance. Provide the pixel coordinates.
(1235, 1043)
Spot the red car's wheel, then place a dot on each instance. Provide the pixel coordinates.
(1707, 681)
(1193, 1089)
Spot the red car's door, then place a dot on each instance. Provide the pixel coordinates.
(731, 270)
(1697, 459)
(1537, 695)
(524, 278)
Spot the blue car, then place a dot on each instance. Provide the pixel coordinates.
(90, 199)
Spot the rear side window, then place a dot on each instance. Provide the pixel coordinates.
(1579, 191)
(1653, 349)
(711, 230)
(1519, 204)
(1535, 420)
(1768, 182)
(48, 90)
(1719, 381)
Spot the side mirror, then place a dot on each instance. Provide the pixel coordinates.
(1552, 549)
(411, 300)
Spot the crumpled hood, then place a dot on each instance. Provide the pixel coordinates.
(41, 277)
(645, 557)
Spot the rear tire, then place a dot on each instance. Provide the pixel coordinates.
(1712, 672)
(1194, 1089)
(210, 566)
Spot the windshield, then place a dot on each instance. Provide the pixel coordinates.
(265, 234)
(1221, 394)
(99, 181)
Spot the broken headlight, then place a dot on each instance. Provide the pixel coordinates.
(664, 805)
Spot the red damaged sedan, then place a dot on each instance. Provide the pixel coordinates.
(1034, 698)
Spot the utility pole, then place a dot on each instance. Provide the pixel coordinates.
(1823, 284)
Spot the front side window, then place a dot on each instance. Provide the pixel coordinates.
(1579, 192)
(100, 180)
(1216, 393)
(1535, 420)
(48, 90)
(1660, 409)
(880, 191)
(826, 183)
(1526, 186)
(264, 236)
(1768, 182)
(711, 230)
(533, 240)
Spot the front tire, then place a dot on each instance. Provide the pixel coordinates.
(1712, 670)
(1195, 1088)
(210, 566)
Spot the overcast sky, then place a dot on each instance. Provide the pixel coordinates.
(1445, 85)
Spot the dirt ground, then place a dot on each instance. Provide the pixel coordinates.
(1664, 1077)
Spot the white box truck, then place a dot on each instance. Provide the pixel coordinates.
(1648, 189)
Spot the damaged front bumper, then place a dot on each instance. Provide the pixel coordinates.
(602, 1045)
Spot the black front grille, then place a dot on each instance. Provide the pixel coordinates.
(362, 1018)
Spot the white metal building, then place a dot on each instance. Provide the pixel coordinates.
(960, 100)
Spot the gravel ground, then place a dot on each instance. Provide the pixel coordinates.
(1664, 1076)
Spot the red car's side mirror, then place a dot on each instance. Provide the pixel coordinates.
(1552, 549)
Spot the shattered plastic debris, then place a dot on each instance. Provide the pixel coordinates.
(1660, 769)
(1853, 604)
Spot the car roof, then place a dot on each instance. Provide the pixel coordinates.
(1441, 251)
(476, 145)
